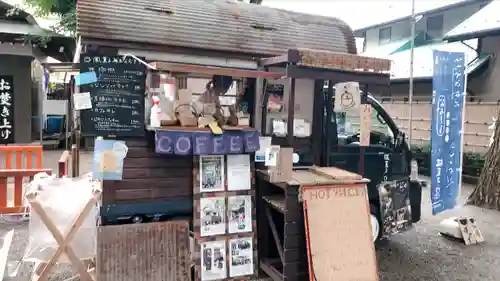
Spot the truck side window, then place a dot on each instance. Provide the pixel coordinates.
(348, 125)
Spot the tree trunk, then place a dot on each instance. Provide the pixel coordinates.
(487, 191)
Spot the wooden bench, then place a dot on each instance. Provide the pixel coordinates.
(18, 176)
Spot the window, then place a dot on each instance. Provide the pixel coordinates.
(434, 28)
(348, 125)
(363, 35)
(384, 35)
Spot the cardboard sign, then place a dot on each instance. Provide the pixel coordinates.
(339, 246)
(470, 232)
(347, 96)
(365, 126)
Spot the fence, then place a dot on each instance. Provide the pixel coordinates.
(16, 164)
(478, 118)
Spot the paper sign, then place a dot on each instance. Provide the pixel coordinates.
(85, 78)
(82, 101)
(108, 159)
(272, 155)
(260, 155)
(347, 96)
(365, 126)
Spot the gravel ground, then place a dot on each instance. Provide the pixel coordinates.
(419, 254)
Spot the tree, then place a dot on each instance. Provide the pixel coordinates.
(65, 9)
(487, 192)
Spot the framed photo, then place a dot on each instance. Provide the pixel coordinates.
(239, 213)
(212, 216)
(213, 260)
(241, 257)
(211, 173)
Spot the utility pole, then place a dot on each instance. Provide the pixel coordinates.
(410, 86)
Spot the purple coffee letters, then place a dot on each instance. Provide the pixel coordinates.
(205, 143)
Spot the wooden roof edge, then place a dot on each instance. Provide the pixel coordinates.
(213, 70)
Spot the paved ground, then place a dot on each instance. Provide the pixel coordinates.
(420, 254)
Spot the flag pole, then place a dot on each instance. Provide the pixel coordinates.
(410, 86)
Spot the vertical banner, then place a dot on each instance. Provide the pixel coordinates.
(448, 82)
(6, 109)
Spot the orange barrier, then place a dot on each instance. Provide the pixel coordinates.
(25, 157)
(18, 175)
(18, 162)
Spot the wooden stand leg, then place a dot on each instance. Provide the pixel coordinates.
(64, 241)
(4, 252)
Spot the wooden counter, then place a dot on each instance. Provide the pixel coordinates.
(282, 248)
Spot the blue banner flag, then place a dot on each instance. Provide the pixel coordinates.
(448, 82)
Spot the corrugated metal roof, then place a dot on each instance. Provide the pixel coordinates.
(212, 25)
(431, 7)
(423, 63)
(11, 27)
(485, 20)
(383, 51)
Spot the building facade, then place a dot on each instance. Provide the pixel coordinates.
(20, 59)
(392, 40)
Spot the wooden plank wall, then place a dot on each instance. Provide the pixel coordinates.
(148, 176)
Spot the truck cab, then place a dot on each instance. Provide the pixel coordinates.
(386, 161)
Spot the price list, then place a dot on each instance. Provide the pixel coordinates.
(117, 96)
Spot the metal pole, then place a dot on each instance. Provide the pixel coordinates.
(410, 86)
(466, 72)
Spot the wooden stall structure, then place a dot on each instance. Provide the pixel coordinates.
(280, 212)
(224, 216)
(323, 68)
(182, 174)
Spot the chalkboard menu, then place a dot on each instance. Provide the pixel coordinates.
(117, 96)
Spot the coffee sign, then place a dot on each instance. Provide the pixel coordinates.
(206, 143)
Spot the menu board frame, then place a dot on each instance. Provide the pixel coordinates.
(117, 95)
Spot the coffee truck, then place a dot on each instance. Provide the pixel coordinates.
(333, 140)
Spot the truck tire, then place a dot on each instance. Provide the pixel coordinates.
(375, 222)
(415, 200)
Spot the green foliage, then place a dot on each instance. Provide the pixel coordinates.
(65, 9)
(47, 7)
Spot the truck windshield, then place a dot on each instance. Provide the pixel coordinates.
(348, 123)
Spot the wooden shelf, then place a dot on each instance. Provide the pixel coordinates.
(277, 202)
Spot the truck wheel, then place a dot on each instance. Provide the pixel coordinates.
(375, 222)
(137, 219)
(375, 227)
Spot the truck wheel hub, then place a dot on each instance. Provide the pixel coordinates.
(375, 227)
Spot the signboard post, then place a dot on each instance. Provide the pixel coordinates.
(449, 84)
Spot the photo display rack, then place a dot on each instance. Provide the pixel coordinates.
(224, 225)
